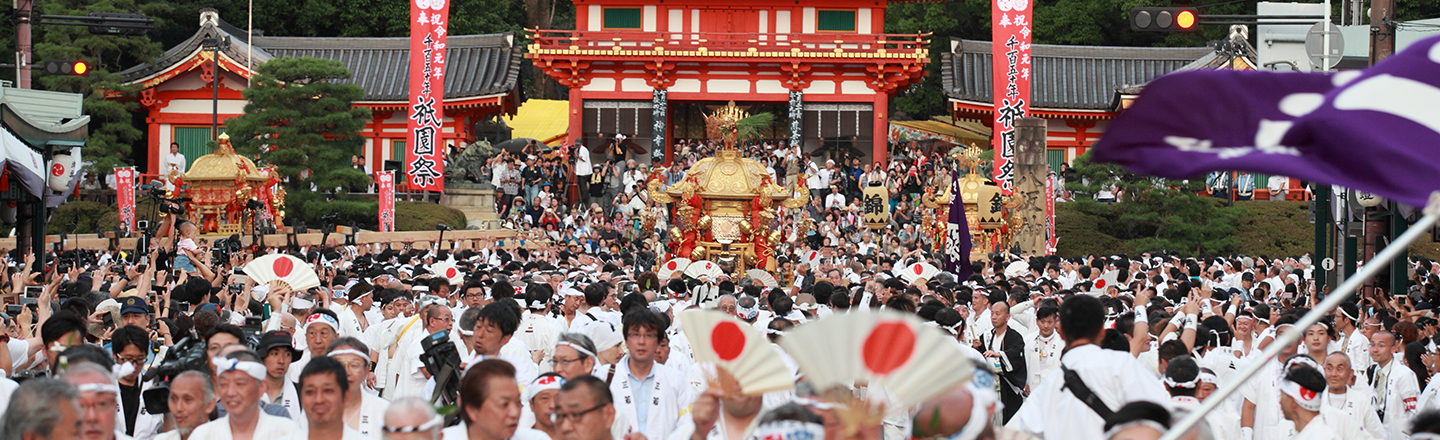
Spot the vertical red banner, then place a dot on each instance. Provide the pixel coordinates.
(1050, 238)
(1010, 59)
(125, 197)
(425, 151)
(386, 182)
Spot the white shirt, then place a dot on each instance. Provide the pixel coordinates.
(538, 330)
(1316, 430)
(1042, 355)
(349, 434)
(1052, 412)
(582, 161)
(458, 432)
(173, 161)
(1263, 390)
(1399, 400)
(667, 401)
(266, 427)
(835, 200)
(1356, 405)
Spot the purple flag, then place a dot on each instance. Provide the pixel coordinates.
(1376, 130)
(957, 235)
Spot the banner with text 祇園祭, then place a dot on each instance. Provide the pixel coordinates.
(425, 150)
(1010, 59)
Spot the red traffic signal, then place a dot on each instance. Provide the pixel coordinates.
(1164, 19)
(66, 67)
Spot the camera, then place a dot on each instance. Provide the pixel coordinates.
(33, 291)
(187, 354)
(443, 361)
(236, 287)
(13, 309)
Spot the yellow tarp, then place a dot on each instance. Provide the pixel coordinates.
(964, 132)
(544, 120)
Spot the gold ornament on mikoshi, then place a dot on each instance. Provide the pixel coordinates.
(704, 222)
(698, 254)
(745, 227)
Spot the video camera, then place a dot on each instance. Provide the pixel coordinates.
(443, 362)
(224, 247)
(187, 354)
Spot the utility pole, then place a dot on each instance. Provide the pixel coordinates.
(1382, 30)
(25, 57)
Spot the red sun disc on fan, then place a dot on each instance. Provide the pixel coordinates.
(450, 273)
(282, 267)
(918, 270)
(889, 346)
(1100, 283)
(671, 265)
(727, 340)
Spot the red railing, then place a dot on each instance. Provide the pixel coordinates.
(837, 45)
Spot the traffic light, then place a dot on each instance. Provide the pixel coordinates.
(66, 67)
(119, 23)
(1164, 19)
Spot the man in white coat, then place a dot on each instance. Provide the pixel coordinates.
(1341, 394)
(1042, 351)
(393, 342)
(241, 381)
(650, 392)
(1115, 378)
(1397, 391)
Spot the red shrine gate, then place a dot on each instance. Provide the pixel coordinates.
(822, 63)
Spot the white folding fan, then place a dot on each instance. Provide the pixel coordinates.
(1016, 269)
(899, 356)
(449, 272)
(704, 268)
(738, 348)
(918, 271)
(280, 267)
(677, 264)
(764, 277)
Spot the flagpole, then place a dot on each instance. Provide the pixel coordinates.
(1289, 337)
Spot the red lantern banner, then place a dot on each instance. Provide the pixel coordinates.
(425, 152)
(1010, 58)
(386, 182)
(125, 197)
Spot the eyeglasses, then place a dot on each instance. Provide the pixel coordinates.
(129, 360)
(559, 417)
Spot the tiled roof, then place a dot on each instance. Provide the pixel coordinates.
(477, 65)
(1065, 77)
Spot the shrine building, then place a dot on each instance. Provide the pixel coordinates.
(480, 82)
(651, 70)
(1077, 89)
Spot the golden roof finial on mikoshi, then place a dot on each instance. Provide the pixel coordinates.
(720, 124)
(972, 154)
(224, 147)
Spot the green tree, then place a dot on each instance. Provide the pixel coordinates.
(1153, 213)
(114, 130)
(301, 120)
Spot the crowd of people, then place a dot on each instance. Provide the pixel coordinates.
(581, 339)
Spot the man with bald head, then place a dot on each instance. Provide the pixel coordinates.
(1341, 394)
(962, 412)
(412, 418)
(192, 399)
(1396, 389)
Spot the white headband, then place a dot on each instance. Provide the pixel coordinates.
(1209, 378)
(301, 303)
(364, 356)
(254, 369)
(1309, 400)
(98, 388)
(432, 424)
(1142, 422)
(979, 405)
(1192, 383)
(577, 348)
(1347, 315)
(790, 430)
